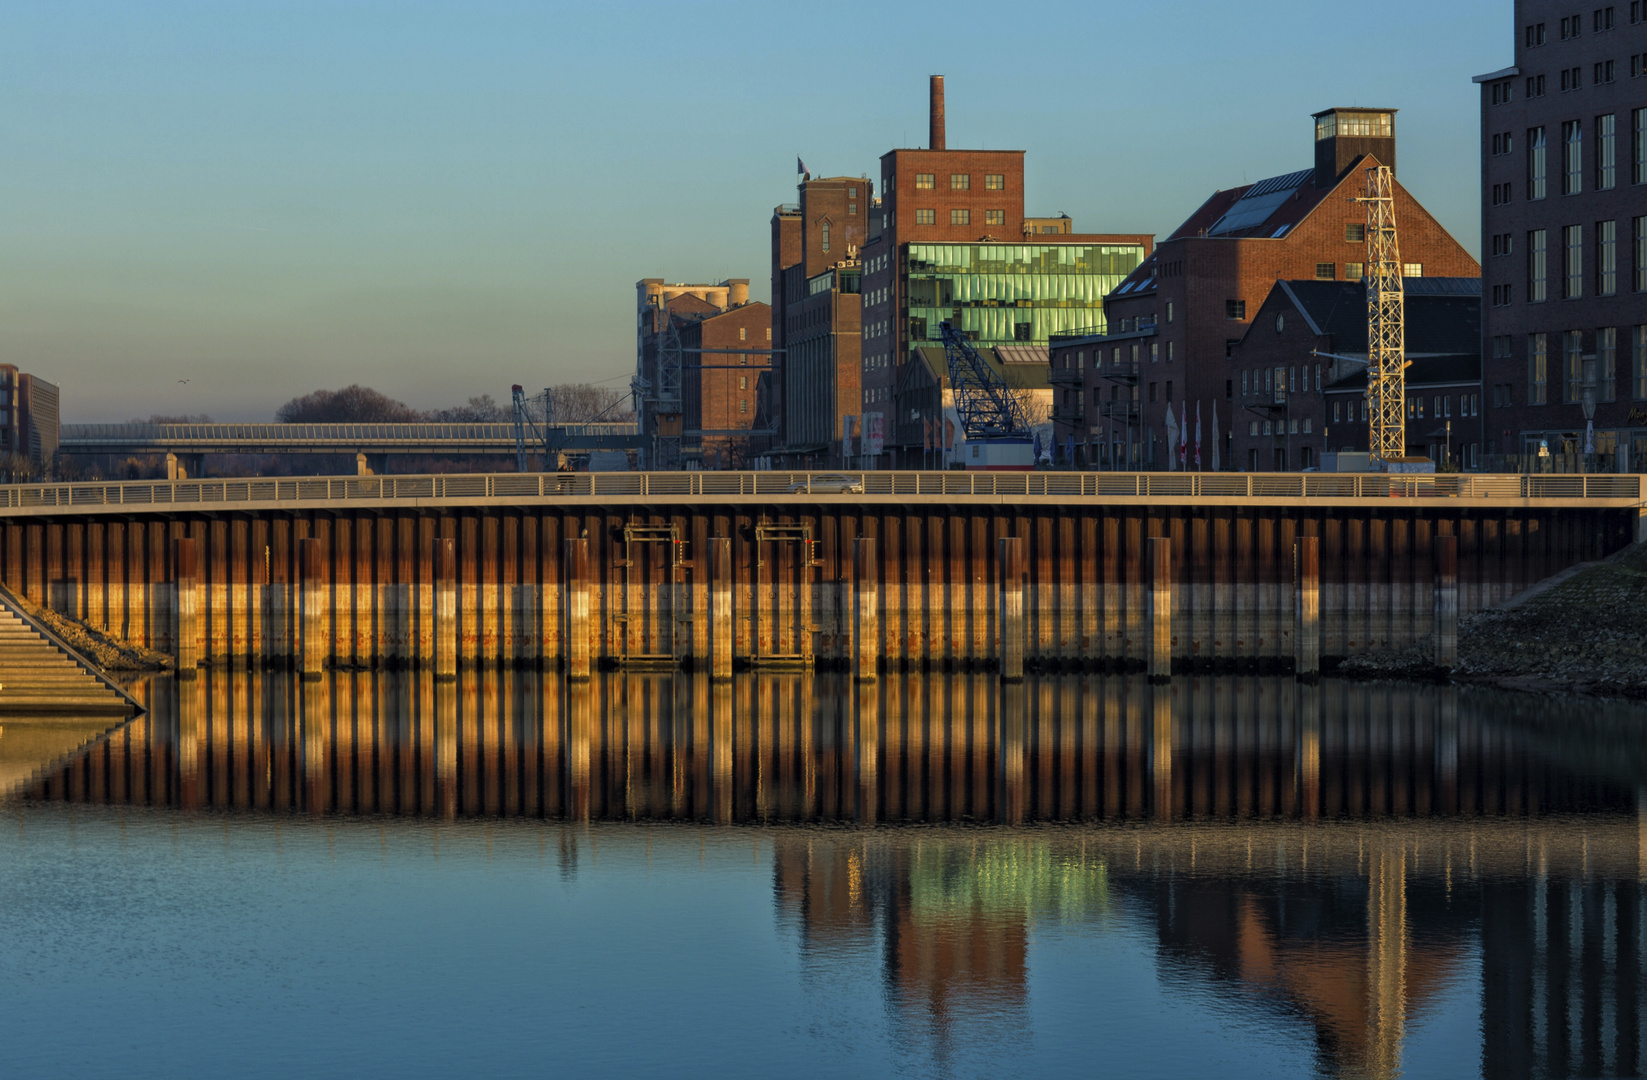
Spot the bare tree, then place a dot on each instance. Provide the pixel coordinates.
(162, 418)
(578, 403)
(351, 405)
(477, 410)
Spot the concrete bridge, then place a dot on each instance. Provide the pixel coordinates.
(185, 444)
(711, 569)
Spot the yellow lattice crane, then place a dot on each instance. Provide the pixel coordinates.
(1386, 325)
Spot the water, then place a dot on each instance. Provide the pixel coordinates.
(381, 875)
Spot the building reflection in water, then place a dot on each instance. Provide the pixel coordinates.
(1339, 853)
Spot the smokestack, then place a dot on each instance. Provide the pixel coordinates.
(935, 115)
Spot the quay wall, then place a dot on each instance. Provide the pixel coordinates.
(793, 583)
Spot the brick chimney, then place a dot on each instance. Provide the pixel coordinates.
(935, 115)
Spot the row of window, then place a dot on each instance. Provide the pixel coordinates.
(1270, 384)
(1571, 358)
(960, 181)
(1605, 157)
(1603, 273)
(960, 217)
(1572, 26)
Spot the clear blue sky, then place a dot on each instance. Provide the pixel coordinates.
(441, 199)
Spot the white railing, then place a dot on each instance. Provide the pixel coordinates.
(143, 494)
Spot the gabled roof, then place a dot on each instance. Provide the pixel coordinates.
(1443, 315)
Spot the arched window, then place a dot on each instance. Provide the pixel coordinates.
(825, 232)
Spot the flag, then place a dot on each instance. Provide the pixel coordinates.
(1172, 440)
(1183, 439)
(926, 434)
(801, 169)
(949, 434)
(1197, 434)
(1069, 449)
(1215, 437)
(1037, 447)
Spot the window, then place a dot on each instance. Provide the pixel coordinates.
(960, 217)
(1535, 35)
(1356, 234)
(1501, 194)
(1503, 295)
(743, 333)
(1235, 309)
(1317, 379)
(926, 217)
(1572, 157)
(1569, 27)
(1501, 244)
(1606, 258)
(743, 382)
(1153, 387)
(1537, 163)
(994, 181)
(1252, 430)
(852, 208)
(1537, 267)
(1635, 10)
(1572, 355)
(925, 181)
(1641, 254)
(1169, 319)
(824, 233)
(960, 181)
(1604, 72)
(1243, 384)
(1638, 146)
(1572, 261)
(1354, 271)
(1570, 79)
(1638, 65)
(1154, 352)
(1326, 271)
(994, 217)
(1412, 269)
(1535, 86)
(1502, 92)
(1538, 368)
(1337, 411)
(1639, 363)
(743, 405)
(1603, 20)
(1607, 364)
(1606, 154)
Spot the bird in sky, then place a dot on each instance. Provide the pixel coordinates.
(182, 380)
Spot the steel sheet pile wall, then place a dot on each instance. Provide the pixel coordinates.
(936, 582)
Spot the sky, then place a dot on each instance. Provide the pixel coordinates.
(442, 199)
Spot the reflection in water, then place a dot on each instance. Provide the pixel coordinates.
(1342, 854)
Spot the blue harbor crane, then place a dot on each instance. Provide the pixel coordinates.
(996, 429)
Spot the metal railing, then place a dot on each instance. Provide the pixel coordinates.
(505, 487)
(88, 438)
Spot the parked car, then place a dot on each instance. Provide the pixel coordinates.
(829, 484)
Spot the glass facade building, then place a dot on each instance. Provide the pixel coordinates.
(1012, 293)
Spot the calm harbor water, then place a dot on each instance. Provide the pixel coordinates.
(377, 874)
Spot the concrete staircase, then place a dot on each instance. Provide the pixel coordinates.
(39, 677)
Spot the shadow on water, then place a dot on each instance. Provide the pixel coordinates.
(1345, 854)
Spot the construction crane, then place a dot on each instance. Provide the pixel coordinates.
(988, 409)
(1386, 326)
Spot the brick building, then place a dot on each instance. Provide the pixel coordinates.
(951, 242)
(1314, 333)
(816, 319)
(29, 420)
(718, 389)
(1564, 236)
(1176, 321)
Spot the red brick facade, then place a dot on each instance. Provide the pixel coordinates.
(1186, 309)
(720, 396)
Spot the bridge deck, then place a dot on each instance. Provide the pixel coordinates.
(412, 438)
(1452, 491)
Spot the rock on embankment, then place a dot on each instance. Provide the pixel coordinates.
(1587, 634)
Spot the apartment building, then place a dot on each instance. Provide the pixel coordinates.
(1564, 238)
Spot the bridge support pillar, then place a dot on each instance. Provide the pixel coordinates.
(311, 614)
(1446, 602)
(174, 468)
(186, 606)
(1160, 608)
(577, 609)
(446, 608)
(720, 607)
(363, 466)
(866, 622)
(1010, 560)
(1307, 636)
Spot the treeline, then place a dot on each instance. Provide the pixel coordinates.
(570, 403)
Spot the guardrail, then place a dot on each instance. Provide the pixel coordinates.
(144, 495)
(229, 438)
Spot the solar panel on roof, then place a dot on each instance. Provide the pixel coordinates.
(1260, 201)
